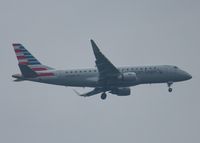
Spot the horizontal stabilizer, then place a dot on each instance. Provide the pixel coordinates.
(18, 80)
(90, 93)
(27, 72)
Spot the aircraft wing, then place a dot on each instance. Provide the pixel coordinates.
(91, 93)
(105, 67)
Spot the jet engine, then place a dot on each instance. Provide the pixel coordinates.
(128, 76)
(125, 91)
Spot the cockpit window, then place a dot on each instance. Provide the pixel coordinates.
(175, 67)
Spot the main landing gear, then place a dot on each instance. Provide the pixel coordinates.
(169, 86)
(103, 96)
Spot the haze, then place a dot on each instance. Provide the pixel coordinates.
(129, 32)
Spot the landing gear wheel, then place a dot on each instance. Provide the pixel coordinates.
(103, 96)
(169, 84)
(170, 89)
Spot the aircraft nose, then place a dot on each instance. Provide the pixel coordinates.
(187, 75)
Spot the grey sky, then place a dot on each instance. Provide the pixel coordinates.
(129, 32)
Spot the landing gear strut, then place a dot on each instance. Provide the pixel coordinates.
(169, 86)
(103, 96)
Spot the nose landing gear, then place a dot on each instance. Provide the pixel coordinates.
(103, 96)
(169, 86)
(170, 89)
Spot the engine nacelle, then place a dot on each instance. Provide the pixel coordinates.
(125, 91)
(128, 76)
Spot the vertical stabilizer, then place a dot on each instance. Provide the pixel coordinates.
(27, 62)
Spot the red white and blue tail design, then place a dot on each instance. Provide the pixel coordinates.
(24, 57)
(30, 67)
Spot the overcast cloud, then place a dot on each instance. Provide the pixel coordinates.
(129, 32)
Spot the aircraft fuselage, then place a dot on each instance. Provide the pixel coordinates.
(90, 77)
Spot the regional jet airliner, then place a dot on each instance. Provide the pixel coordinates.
(105, 78)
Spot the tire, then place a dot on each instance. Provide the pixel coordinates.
(103, 96)
(170, 89)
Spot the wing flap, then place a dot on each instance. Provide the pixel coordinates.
(90, 93)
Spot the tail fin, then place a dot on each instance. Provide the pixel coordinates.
(27, 71)
(27, 61)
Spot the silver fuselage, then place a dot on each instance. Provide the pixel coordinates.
(90, 77)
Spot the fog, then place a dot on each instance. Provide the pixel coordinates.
(129, 32)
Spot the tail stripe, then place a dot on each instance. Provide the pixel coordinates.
(23, 63)
(25, 55)
(28, 63)
(31, 60)
(26, 58)
(29, 57)
(28, 54)
(39, 69)
(33, 63)
(46, 74)
(20, 57)
(16, 44)
(17, 51)
(22, 50)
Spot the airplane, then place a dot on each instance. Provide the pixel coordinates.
(105, 78)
